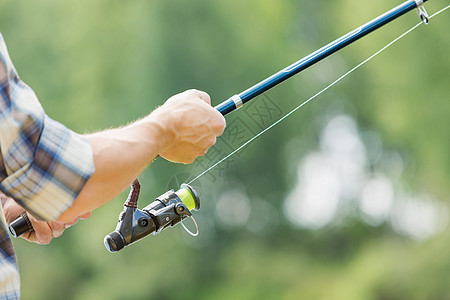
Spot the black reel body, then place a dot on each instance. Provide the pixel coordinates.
(167, 210)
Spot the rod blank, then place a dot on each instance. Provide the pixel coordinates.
(230, 105)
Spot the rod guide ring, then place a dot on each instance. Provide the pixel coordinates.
(421, 12)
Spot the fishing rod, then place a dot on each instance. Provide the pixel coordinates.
(173, 207)
(237, 101)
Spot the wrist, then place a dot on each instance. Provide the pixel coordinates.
(159, 130)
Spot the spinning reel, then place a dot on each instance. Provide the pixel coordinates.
(166, 211)
(134, 224)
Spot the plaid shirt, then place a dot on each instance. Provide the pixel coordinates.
(43, 165)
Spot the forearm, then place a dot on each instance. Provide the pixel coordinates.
(180, 130)
(120, 155)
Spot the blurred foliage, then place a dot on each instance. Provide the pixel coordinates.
(97, 64)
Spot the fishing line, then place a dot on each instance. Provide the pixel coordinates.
(315, 96)
(173, 207)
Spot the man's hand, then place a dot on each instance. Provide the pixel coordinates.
(190, 126)
(43, 232)
(182, 129)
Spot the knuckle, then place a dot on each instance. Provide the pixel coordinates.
(45, 239)
(58, 233)
(189, 160)
(212, 141)
(200, 94)
(45, 242)
(192, 91)
(219, 125)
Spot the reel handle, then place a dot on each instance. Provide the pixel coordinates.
(20, 225)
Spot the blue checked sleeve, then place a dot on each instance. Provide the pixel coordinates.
(43, 165)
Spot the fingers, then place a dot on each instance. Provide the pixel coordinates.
(44, 232)
(219, 124)
(218, 120)
(10, 208)
(199, 149)
(200, 94)
(85, 216)
(3, 198)
(57, 228)
(192, 123)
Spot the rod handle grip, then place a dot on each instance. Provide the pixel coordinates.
(20, 225)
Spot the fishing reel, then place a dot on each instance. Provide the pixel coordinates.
(166, 211)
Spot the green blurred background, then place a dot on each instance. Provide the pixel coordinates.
(346, 199)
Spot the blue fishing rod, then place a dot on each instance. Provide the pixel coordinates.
(237, 101)
(173, 207)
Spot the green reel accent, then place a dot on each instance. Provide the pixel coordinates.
(189, 197)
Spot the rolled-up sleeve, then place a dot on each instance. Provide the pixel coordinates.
(43, 164)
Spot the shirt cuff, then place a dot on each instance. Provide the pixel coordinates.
(62, 164)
